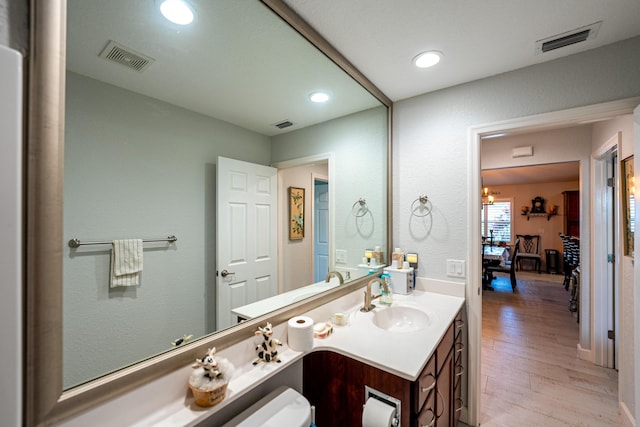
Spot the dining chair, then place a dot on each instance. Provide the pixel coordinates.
(530, 250)
(509, 267)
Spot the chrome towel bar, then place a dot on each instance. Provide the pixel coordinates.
(74, 243)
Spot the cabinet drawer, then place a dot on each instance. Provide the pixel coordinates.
(444, 348)
(426, 384)
(427, 417)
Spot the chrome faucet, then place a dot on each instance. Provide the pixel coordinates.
(334, 273)
(368, 305)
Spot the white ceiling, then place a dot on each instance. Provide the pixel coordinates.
(239, 63)
(478, 38)
(556, 172)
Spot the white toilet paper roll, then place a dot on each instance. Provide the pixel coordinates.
(300, 331)
(377, 413)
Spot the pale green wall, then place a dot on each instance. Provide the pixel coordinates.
(136, 167)
(358, 143)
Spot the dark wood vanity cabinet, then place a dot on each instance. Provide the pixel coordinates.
(335, 384)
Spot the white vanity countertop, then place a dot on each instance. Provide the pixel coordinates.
(401, 353)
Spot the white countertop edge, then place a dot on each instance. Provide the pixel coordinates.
(444, 287)
(174, 406)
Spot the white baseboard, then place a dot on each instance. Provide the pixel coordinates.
(445, 287)
(585, 354)
(627, 417)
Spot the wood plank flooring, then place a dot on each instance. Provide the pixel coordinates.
(531, 375)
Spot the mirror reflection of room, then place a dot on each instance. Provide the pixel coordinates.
(141, 162)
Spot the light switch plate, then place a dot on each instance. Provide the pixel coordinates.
(456, 268)
(341, 256)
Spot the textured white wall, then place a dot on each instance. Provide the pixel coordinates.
(136, 167)
(431, 135)
(551, 146)
(358, 143)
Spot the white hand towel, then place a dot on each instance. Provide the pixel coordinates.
(126, 262)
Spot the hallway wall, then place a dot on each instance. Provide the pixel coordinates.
(431, 137)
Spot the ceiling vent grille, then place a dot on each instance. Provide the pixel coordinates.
(123, 55)
(578, 35)
(284, 124)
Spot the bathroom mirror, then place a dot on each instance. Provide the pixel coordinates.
(119, 160)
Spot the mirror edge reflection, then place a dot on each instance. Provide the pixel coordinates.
(44, 398)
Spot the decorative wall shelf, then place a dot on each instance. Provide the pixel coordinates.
(548, 215)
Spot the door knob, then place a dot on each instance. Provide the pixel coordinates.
(225, 273)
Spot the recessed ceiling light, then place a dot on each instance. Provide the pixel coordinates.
(319, 97)
(177, 11)
(427, 59)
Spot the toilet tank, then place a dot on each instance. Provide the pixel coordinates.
(283, 407)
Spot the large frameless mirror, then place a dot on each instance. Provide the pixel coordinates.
(154, 113)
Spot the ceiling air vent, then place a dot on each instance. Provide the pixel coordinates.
(126, 56)
(283, 124)
(565, 39)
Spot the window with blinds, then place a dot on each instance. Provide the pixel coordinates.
(497, 217)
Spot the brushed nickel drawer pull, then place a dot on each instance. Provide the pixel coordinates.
(432, 422)
(459, 347)
(459, 370)
(459, 401)
(459, 323)
(426, 389)
(442, 399)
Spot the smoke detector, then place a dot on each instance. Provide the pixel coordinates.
(126, 56)
(578, 35)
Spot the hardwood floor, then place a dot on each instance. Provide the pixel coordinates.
(531, 375)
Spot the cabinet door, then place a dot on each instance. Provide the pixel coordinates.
(444, 393)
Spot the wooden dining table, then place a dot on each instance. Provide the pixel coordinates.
(492, 256)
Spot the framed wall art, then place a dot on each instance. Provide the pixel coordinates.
(628, 205)
(296, 213)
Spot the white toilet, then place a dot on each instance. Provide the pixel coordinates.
(283, 407)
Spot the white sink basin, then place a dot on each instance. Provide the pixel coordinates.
(401, 319)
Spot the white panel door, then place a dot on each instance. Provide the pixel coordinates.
(246, 227)
(320, 230)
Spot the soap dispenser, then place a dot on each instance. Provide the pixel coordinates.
(387, 297)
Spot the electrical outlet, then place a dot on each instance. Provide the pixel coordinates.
(341, 256)
(456, 268)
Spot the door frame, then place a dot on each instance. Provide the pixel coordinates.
(329, 158)
(600, 232)
(314, 179)
(474, 288)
